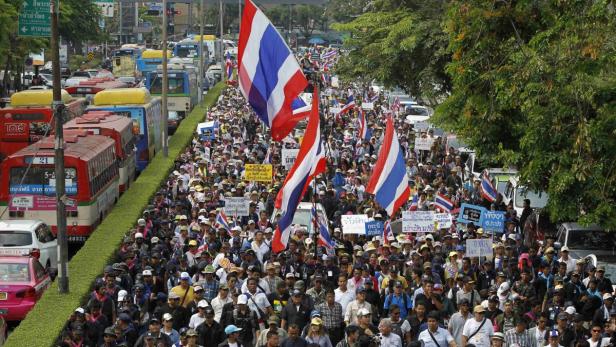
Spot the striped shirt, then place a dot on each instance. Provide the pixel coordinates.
(332, 316)
(524, 339)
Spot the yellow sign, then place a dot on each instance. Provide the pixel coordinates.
(258, 172)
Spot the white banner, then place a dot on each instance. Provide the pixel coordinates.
(424, 144)
(353, 223)
(288, 157)
(367, 105)
(236, 207)
(417, 221)
(443, 220)
(479, 248)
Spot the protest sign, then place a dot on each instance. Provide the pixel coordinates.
(478, 248)
(421, 126)
(258, 172)
(288, 157)
(374, 228)
(367, 105)
(354, 223)
(423, 144)
(493, 221)
(207, 130)
(236, 206)
(471, 214)
(443, 220)
(417, 221)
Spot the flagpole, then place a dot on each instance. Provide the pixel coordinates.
(315, 226)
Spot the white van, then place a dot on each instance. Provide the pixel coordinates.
(17, 235)
(303, 215)
(517, 192)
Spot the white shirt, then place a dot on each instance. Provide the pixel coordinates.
(483, 336)
(260, 299)
(217, 305)
(260, 251)
(195, 321)
(344, 298)
(350, 315)
(604, 342)
(442, 336)
(570, 263)
(262, 283)
(392, 340)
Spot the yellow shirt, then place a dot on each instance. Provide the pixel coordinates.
(190, 294)
(386, 280)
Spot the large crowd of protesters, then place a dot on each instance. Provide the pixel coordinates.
(182, 278)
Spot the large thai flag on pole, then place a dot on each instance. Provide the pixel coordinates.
(325, 238)
(348, 106)
(386, 232)
(229, 66)
(310, 162)
(486, 188)
(269, 76)
(389, 183)
(363, 127)
(222, 221)
(443, 203)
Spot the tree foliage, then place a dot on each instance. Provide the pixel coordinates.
(534, 85)
(79, 21)
(400, 43)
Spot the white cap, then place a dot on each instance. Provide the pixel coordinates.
(202, 303)
(571, 309)
(80, 310)
(147, 273)
(138, 235)
(242, 300)
(167, 316)
(430, 237)
(122, 295)
(155, 239)
(564, 249)
(184, 275)
(141, 222)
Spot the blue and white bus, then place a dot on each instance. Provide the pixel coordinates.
(146, 113)
(182, 92)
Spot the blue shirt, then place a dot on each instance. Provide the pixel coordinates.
(400, 301)
(442, 336)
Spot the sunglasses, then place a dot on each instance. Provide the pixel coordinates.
(596, 330)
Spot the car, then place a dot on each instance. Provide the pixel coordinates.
(303, 215)
(501, 177)
(214, 74)
(74, 81)
(173, 122)
(31, 235)
(591, 242)
(23, 280)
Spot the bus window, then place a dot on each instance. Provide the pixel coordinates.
(176, 84)
(40, 181)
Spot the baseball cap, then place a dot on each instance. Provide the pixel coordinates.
(230, 329)
(296, 292)
(242, 300)
(202, 304)
(479, 309)
(173, 295)
(184, 276)
(167, 317)
(498, 336)
(562, 316)
(363, 312)
(607, 296)
(553, 333)
(138, 235)
(147, 273)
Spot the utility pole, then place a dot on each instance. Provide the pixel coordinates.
(222, 44)
(58, 107)
(165, 83)
(201, 55)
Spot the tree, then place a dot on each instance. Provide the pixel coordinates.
(534, 86)
(79, 22)
(400, 43)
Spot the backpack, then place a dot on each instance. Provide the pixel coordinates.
(404, 298)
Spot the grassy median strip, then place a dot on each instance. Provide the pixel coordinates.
(45, 322)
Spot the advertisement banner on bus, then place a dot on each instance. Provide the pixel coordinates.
(37, 202)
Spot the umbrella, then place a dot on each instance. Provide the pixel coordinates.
(316, 41)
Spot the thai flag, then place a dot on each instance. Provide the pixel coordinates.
(396, 104)
(374, 98)
(325, 238)
(414, 203)
(221, 221)
(386, 232)
(329, 54)
(443, 203)
(269, 76)
(348, 106)
(389, 182)
(229, 66)
(310, 162)
(363, 127)
(486, 188)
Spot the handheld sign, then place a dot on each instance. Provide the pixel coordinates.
(288, 157)
(417, 221)
(236, 206)
(258, 172)
(374, 228)
(471, 214)
(354, 223)
(493, 221)
(478, 248)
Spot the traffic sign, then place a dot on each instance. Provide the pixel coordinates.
(35, 18)
(90, 56)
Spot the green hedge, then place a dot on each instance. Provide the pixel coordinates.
(46, 321)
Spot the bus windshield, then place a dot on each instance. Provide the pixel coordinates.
(40, 181)
(537, 199)
(136, 115)
(187, 51)
(124, 53)
(176, 84)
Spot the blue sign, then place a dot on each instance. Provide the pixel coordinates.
(39, 189)
(471, 214)
(374, 228)
(494, 221)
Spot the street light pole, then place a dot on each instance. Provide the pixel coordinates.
(201, 55)
(222, 43)
(58, 107)
(165, 83)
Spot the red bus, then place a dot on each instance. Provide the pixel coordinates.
(30, 118)
(120, 129)
(27, 191)
(95, 85)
